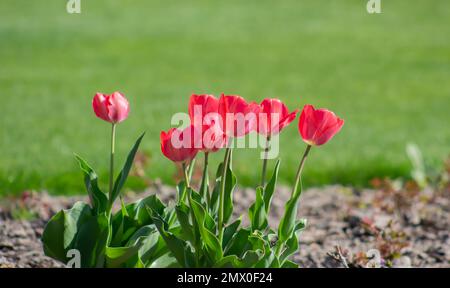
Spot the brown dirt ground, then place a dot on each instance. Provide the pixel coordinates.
(392, 226)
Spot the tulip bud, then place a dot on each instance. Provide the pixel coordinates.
(112, 108)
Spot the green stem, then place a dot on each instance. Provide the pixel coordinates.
(295, 193)
(300, 169)
(264, 168)
(222, 192)
(186, 176)
(205, 182)
(111, 165)
(186, 181)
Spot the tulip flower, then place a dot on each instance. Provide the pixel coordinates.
(202, 105)
(112, 108)
(203, 112)
(238, 118)
(272, 118)
(179, 145)
(317, 127)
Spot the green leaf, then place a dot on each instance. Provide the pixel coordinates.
(238, 243)
(174, 244)
(123, 175)
(230, 184)
(92, 240)
(153, 248)
(117, 257)
(287, 223)
(214, 201)
(229, 231)
(249, 259)
(182, 211)
(98, 199)
(209, 222)
(289, 264)
(61, 230)
(181, 191)
(292, 242)
(257, 212)
(165, 261)
(291, 247)
(133, 216)
(138, 210)
(144, 247)
(270, 187)
(210, 241)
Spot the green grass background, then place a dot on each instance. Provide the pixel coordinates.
(387, 75)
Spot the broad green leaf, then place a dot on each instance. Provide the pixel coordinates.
(91, 241)
(138, 210)
(98, 199)
(257, 212)
(238, 243)
(117, 257)
(289, 264)
(209, 222)
(190, 258)
(165, 261)
(123, 175)
(270, 187)
(62, 229)
(287, 223)
(143, 247)
(182, 211)
(291, 245)
(174, 244)
(229, 231)
(248, 260)
(210, 241)
(154, 246)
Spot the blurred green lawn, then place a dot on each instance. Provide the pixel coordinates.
(387, 75)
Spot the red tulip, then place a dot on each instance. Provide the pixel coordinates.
(203, 112)
(202, 105)
(112, 108)
(317, 127)
(273, 117)
(179, 145)
(238, 118)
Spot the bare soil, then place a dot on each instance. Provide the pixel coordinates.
(391, 226)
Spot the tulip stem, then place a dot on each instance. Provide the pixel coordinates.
(205, 182)
(222, 192)
(299, 171)
(111, 163)
(264, 168)
(186, 176)
(185, 169)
